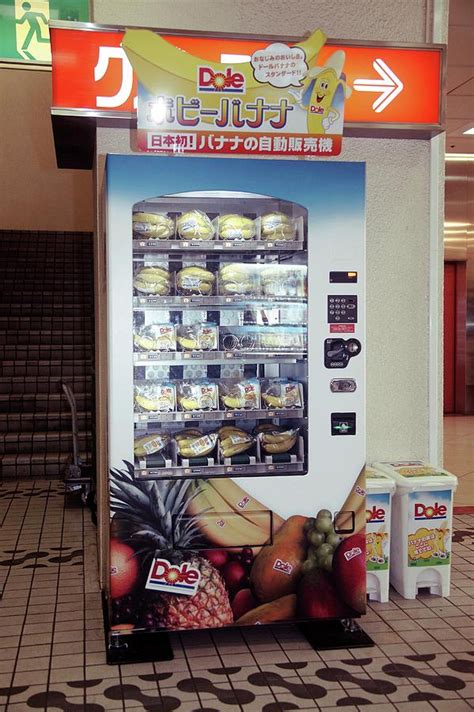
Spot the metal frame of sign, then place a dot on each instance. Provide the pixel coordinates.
(61, 116)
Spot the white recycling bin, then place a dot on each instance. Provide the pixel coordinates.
(379, 487)
(422, 527)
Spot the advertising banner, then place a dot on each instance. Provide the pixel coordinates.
(429, 536)
(281, 102)
(24, 31)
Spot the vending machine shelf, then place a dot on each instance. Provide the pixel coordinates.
(177, 302)
(218, 415)
(214, 246)
(144, 359)
(191, 471)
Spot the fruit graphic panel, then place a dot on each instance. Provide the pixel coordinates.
(232, 499)
(203, 553)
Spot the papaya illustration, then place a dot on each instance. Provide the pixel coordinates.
(283, 609)
(276, 569)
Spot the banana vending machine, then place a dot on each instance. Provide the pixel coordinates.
(236, 392)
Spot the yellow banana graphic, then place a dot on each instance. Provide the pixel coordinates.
(154, 60)
(219, 522)
(240, 501)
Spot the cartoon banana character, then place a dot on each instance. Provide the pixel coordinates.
(321, 85)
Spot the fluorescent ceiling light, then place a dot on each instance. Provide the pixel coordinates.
(455, 232)
(456, 224)
(459, 156)
(469, 132)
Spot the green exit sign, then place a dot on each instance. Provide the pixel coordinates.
(24, 32)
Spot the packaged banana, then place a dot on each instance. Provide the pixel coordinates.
(237, 395)
(198, 337)
(282, 393)
(195, 280)
(154, 396)
(235, 227)
(153, 280)
(195, 225)
(282, 281)
(196, 445)
(153, 226)
(155, 337)
(197, 395)
(238, 278)
(278, 440)
(234, 441)
(150, 444)
(277, 226)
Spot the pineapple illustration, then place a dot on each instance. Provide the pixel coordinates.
(150, 515)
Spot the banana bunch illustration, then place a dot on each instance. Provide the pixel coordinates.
(155, 337)
(277, 226)
(150, 444)
(153, 280)
(154, 59)
(235, 278)
(236, 227)
(234, 441)
(228, 516)
(195, 225)
(277, 440)
(154, 226)
(155, 397)
(195, 280)
(192, 443)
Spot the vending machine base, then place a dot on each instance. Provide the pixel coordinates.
(335, 634)
(139, 648)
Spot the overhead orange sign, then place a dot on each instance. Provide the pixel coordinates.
(395, 87)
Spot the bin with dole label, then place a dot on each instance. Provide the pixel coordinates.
(422, 516)
(380, 488)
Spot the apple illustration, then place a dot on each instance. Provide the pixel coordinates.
(349, 572)
(243, 602)
(317, 597)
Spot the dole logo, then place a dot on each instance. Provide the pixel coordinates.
(226, 81)
(437, 511)
(284, 566)
(376, 514)
(355, 551)
(181, 579)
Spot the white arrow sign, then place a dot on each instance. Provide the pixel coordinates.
(389, 85)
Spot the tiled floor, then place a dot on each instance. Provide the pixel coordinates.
(459, 455)
(52, 646)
